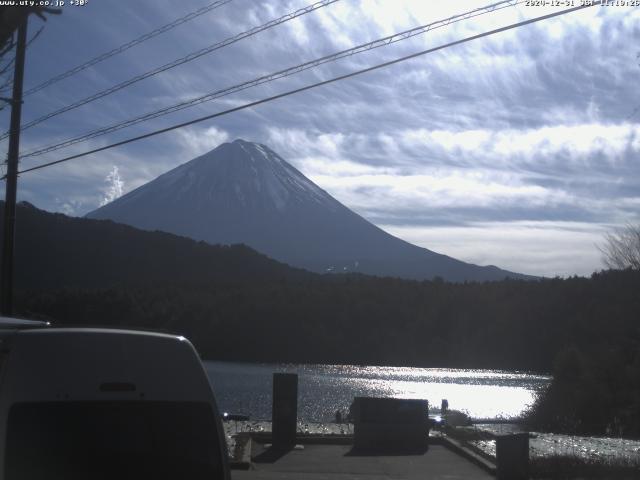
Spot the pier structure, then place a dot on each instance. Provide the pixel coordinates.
(287, 454)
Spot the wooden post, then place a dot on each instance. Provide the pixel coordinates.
(285, 409)
(6, 280)
(512, 456)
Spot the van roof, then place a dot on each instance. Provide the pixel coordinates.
(74, 363)
(66, 331)
(11, 322)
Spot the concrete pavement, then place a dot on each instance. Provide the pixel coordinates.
(339, 462)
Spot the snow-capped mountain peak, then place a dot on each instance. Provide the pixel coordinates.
(250, 173)
(244, 192)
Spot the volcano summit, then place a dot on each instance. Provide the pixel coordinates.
(243, 192)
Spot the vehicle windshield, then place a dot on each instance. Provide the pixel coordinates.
(109, 440)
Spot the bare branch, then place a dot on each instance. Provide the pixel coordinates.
(621, 248)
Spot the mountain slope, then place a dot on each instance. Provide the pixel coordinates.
(243, 192)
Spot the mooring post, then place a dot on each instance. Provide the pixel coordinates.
(512, 456)
(284, 415)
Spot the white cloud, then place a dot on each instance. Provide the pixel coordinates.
(69, 207)
(536, 248)
(506, 146)
(451, 189)
(299, 31)
(115, 186)
(442, 169)
(197, 140)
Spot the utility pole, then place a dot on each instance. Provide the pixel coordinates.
(6, 280)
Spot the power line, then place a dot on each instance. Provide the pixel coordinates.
(275, 76)
(128, 45)
(309, 87)
(180, 61)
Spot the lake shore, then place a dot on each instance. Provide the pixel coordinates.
(542, 445)
(551, 455)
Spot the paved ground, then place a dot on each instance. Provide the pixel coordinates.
(337, 462)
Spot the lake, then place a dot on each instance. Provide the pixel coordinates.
(322, 389)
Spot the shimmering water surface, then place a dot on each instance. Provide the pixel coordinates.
(323, 389)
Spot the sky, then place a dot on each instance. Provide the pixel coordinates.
(520, 149)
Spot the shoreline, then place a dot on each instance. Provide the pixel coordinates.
(542, 445)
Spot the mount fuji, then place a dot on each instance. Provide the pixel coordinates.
(243, 192)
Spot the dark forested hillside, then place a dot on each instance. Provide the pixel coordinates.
(357, 319)
(237, 304)
(54, 250)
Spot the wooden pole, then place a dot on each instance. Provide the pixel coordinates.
(6, 279)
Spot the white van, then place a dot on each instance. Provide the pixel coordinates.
(105, 404)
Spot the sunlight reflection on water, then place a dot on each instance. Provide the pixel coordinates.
(323, 389)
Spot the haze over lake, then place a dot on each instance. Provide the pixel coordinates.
(322, 389)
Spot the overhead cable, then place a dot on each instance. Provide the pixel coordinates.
(175, 63)
(126, 46)
(308, 87)
(274, 76)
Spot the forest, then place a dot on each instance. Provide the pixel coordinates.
(235, 304)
